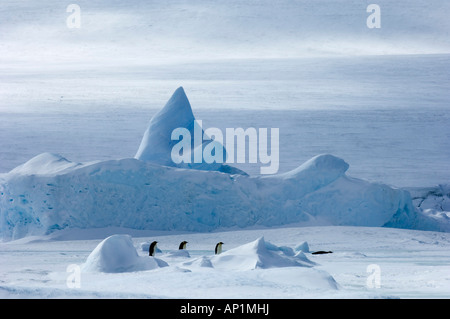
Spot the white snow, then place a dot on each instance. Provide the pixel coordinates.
(413, 264)
(45, 164)
(255, 255)
(117, 254)
(179, 253)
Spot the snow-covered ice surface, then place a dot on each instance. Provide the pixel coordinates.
(82, 98)
(412, 264)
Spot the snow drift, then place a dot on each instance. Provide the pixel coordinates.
(50, 193)
(117, 254)
(256, 255)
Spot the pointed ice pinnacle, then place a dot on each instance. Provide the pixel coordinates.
(156, 145)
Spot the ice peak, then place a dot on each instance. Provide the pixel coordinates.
(156, 145)
(178, 107)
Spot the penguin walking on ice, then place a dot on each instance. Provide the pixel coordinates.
(152, 248)
(218, 248)
(183, 245)
(321, 252)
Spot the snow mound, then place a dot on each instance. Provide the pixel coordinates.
(117, 254)
(288, 251)
(255, 255)
(302, 257)
(303, 246)
(203, 262)
(45, 164)
(156, 145)
(178, 253)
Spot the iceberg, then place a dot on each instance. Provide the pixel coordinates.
(50, 193)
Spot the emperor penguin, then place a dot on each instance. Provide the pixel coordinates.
(152, 249)
(183, 245)
(218, 248)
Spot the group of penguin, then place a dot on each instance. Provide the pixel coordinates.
(217, 250)
(152, 248)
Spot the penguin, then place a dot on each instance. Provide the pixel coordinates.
(152, 249)
(183, 245)
(218, 248)
(320, 252)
